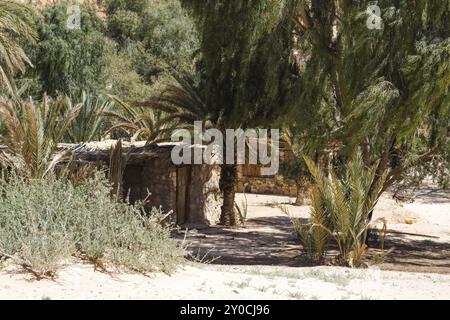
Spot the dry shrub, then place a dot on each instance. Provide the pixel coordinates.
(45, 221)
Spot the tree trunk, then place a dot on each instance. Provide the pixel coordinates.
(228, 176)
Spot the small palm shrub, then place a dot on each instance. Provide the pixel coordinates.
(314, 239)
(32, 133)
(43, 222)
(340, 211)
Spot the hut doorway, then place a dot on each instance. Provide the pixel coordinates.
(183, 182)
(132, 182)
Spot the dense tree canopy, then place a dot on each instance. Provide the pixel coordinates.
(70, 60)
(383, 90)
(317, 69)
(163, 28)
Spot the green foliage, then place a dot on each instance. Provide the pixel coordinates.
(164, 29)
(169, 34)
(134, 6)
(90, 122)
(124, 77)
(140, 123)
(315, 240)
(44, 222)
(231, 90)
(33, 131)
(183, 101)
(70, 61)
(384, 91)
(124, 24)
(341, 209)
(233, 46)
(295, 169)
(16, 21)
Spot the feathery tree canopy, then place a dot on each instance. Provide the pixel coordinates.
(240, 70)
(241, 63)
(383, 90)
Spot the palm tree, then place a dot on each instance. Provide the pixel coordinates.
(16, 21)
(341, 208)
(90, 121)
(153, 125)
(33, 131)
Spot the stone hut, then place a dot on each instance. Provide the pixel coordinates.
(190, 192)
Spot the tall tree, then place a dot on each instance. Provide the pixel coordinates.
(69, 60)
(236, 83)
(375, 80)
(16, 21)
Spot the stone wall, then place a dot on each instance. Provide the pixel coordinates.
(250, 179)
(275, 185)
(154, 180)
(160, 181)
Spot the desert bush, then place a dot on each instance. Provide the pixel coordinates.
(44, 222)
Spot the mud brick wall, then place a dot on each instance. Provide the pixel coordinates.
(159, 177)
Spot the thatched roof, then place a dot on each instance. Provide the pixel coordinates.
(137, 152)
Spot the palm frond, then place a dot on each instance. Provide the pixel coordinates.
(341, 207)
(16, 21)
(33, 131)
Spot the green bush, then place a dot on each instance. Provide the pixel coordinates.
(124, 24)
(69, 61)
(124, 79)
(163, 27)
(44, 222)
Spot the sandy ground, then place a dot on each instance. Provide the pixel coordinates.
(80, 281)
(262, 261)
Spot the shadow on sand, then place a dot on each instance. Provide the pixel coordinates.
(272, 241)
